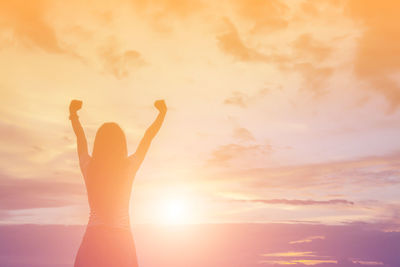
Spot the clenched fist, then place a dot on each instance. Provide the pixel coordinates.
(74, 106)
(160, 105)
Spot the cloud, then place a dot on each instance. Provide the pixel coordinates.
(28, 153)
(237, 99)
(120, 64)
(296, 257)
(231, 43)
(180, 8)
(307, 58)
(17, 193)
(308, 239)
(162, 14)
(378, 52)
(362, 174)
(27, 21)
(315, 78)
(243, 100)
(243, 135)
(264, 15)
(298, 202)
(225, 153)
(244, 151)
(307, 47)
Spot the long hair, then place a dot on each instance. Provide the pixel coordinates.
(110, 145)
(108, 169)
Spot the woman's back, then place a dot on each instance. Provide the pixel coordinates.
(109, 189)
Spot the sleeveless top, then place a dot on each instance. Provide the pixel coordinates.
(109, 194)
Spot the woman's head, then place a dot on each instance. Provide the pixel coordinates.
(110, 143)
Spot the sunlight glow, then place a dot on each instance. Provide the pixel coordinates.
(175, 211)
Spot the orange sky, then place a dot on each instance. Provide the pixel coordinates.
(278, 111)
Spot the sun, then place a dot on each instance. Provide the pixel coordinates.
(175, 211)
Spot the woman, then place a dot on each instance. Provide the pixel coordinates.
(108, 175)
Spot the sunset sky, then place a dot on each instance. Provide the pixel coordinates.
(278, 111)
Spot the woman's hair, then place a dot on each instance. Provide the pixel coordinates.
(110, 144)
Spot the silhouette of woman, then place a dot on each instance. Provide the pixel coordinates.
(108, 176)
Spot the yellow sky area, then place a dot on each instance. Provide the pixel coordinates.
(278, 110)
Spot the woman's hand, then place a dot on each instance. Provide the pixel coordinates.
(160, 105)
(74, 106)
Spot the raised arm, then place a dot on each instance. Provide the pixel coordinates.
(150, 133)
(83, 153)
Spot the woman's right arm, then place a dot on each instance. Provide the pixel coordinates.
(82, 147)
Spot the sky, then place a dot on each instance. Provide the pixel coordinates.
(278, 111)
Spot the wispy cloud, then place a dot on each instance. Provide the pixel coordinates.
(296, 257)
(298, 202)
(243, 100)
(237, 99)
(307, 58)
(369, 172)
(306, 46)
(265, 16)
(378, 51)
(243, 135)
(225, 153)
(308, 239)
(161, 15)
(17, 193)
(231, 43)
(27, 20)
(120, 63)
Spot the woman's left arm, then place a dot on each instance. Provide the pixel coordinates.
(138, 157)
